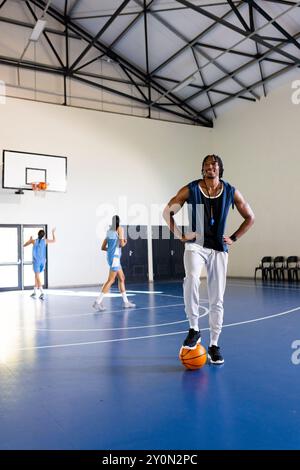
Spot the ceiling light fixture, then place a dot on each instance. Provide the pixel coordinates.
(38, 30)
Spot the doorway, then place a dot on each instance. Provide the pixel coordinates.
(135, 254)
(167, 254)
(16, 261)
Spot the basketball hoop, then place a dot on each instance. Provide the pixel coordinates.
(39, 188)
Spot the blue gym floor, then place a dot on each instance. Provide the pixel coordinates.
(71, 378)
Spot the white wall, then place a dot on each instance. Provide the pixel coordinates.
(111, 156)
(260, 147)
(108, 156)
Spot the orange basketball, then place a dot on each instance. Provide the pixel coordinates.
(193, 358)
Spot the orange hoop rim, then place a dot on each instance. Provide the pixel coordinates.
(39, 186)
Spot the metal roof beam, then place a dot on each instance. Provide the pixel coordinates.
(40, 67)
(158, 10)
(190, 43)
(98, 85)
(118, 38)
(274, 23)
(46, 36)
(226, 72)
(75, 4)
(147, 54)
(272, 38)
(67, 46)
(254, 85)
(252, 28)
(247, 35)
(244, 54)
(31, 26)
(29, 65)
(200, 87)
(100, 33)
(203, 81)
(133, 82)
(184, 38)
(59, 71)
(283, 2)
(240, 69)
(238, 15)
(54, 13)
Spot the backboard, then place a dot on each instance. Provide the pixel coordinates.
(20, 169)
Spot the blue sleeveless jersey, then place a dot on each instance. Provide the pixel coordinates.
(113, 248)
(196, 198)
(39, 251)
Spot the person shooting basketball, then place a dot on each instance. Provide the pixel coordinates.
(39, 259)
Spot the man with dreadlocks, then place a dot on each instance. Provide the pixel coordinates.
(209, 200)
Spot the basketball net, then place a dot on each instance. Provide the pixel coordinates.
(39, 188)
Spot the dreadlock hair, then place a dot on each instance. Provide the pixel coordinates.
(115, 222)
(217, 159)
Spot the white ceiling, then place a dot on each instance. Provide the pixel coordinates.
(147, 80)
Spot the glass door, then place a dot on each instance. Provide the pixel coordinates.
(16, 271)
(10, 257)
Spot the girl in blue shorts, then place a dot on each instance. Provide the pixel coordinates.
(39, 258)
(113, 244)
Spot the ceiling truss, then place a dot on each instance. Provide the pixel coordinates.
(154, 88)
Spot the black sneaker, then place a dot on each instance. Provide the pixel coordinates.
(192, 339)
(215, 355)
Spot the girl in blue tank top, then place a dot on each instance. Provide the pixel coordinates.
(39, 258)
(113, 244)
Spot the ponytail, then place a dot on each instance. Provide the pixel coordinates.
(115, 223)
(41, 234)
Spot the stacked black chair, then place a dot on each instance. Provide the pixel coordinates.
(278, 268)
(266, 268)
(292, 268)
(295, 272)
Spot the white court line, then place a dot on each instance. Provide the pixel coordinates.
(82, 293)
(181, 297)
(262, 286)
(123, 310)
(95, 293)
(155, 336)
(115, 329)
(72, 293)
(171, 295)
(144, 291)
(258, 284)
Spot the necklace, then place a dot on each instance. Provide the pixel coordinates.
(211, 220)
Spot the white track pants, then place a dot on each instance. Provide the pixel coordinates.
(195, 257)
